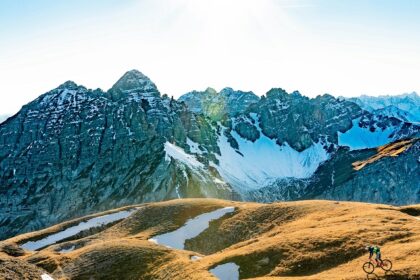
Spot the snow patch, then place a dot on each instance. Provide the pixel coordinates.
(218, 181)
(177, 153)
(263, 161)
(194, 146)
(227, 271)
(46, 277)
(94, 222)
(67, 250)
(192, 228)
(177, 191)
(358, 138)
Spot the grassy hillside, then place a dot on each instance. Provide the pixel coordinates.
(290, 240)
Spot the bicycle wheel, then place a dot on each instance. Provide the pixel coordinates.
(386, 265)
(368, 267)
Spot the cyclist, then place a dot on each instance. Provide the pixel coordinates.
(370, 248)
(378, 258)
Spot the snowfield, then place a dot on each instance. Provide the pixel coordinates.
(358, 138)
(94, 222)
(192, 228)
(264, 161)
(177, 153)
(227, 271)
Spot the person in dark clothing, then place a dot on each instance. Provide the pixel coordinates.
(370, 248)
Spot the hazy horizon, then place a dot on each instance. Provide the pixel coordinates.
(313, 46)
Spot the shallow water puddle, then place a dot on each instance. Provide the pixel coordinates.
(227, 271)
(192, 228)
(73, 230)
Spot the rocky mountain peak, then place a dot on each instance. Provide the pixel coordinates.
(326, 97)
(133, 81)
(68, 85)
(210, 91)
(227, 91)
(408, 105)
(296, 93)
(217, 105)
(277, 93)
(231, 93)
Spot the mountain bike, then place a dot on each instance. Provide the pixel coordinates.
(369, 266)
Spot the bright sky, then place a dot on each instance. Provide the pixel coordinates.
(315, 46)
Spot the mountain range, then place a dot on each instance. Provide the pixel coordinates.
(75, 151)
(405, 106)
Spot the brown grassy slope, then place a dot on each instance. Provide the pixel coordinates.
(328, 243)
(14, 268)
(291, 240)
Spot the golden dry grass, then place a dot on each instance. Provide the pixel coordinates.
(290, 240)
(389, 150)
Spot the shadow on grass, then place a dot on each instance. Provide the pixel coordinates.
(393, 275)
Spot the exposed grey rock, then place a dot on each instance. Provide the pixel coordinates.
(390, 180)
(246, 128)
(217, 105)
(299, 120)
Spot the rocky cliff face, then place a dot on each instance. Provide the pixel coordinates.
(388, 174)
(75, 151)
(393, 179)
(301, 121)
(217, 105)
